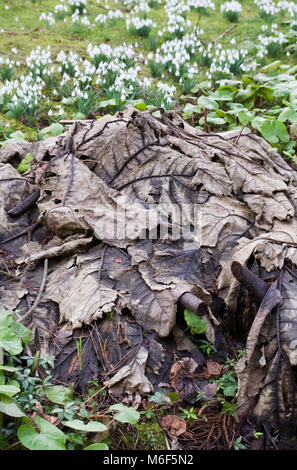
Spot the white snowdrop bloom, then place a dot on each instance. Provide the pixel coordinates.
(6, 7)
(231, 6)
(47, 17)
(60, 8)
(202, 4)
(14, 50)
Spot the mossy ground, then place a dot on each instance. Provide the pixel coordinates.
(147, 435)
(29, 32)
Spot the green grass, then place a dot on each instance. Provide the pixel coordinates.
(61, 35)
(29, 32)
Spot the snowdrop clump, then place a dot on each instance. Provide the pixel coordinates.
(78, 5)
(177, 25)
(175, 56)
(60, 10)
(271, 41)
(48, 18)
(231, 10)
(202, 5)
(140, 26)
(227, 61)
(25, 96)
(8, 67)
(268, 9)
(69, 64)
(142, 7)
(112, 15)
(106, 53)
(77, 17)
(39, 60)
(168, 93)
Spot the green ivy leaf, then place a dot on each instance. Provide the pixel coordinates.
(8, 368)
(49, 437)
(208, 103)
(79, 116)
(191, 109)
(106, 103)
(10, 342)
(9, 407)
(244, 117)
(58, 394)
(195, 322)
(25, 164)
(125, 414)
(53, 130)
(156, 398)
(21, 331)
(9, 390)
(91, 426)
(97, 446)
(288, 114)
(274, 131)
(138, 104)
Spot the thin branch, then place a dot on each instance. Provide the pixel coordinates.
(29, 313)
(239, 135)
(70, 179)
(250, 281)
(23, 232)
(224, 33)
(193, 303)
(26, 204)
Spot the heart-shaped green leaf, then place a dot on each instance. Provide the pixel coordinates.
(58, 394)
(97, 446)
(9, 407)
(125, 414)
(49, 436)
(91, 426)
(9, 390)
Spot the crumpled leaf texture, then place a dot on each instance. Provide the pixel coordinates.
(246, 199)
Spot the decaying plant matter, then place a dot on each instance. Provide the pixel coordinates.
(121, 295)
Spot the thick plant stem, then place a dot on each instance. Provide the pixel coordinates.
(256, 287)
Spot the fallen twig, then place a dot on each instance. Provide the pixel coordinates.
(224, 33)
(7, 273)
(239, 135)
(72, 121)
(23, 232)
(42, 286)
(25, 205)
(70, 178)
(250, 281)
(193, 303)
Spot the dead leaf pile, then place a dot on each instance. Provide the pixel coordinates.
(109, 192)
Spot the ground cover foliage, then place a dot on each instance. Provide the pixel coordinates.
(144, 341)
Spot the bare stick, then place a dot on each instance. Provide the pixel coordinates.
(250, 281)
(44, 277)
(72, 121)
(224, 33)
(193, 303)
(239, 135)
(23, 232)
(25, 204)
(70, 178)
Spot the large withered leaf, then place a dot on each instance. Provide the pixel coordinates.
(251, 371)
(245, 197)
